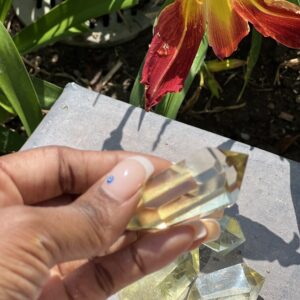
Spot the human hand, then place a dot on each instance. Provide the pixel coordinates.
(63, 221)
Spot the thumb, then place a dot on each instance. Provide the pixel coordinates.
(98, 217)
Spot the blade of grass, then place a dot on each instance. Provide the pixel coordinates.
(252, 59)
(10, 140)
(4, 9)
(171, 103)
(52, 26)
(16, 85)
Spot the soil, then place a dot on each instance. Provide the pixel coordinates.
(270, 114)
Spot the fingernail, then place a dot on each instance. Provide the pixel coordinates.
(127, 177)
(200, 231)
(213, 228)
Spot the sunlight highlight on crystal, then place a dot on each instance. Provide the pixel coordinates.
(232, 236)
(205, 182)
(170, 283)
(238, 282)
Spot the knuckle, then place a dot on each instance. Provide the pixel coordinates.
(66, 175)
(98, 218)
(104, 279)
(138, 260)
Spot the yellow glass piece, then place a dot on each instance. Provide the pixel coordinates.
(231, 237)
(239, 282)
(168, 283)
(205, 182)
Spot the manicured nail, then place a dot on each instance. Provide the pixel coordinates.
(213, 228)
(127, 177)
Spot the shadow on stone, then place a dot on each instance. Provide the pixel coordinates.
(161, 132)
(263, 244)
(142, 116)
(268, 245)
(295, 189)
(226, 145)
(97, 99)
(115, 138)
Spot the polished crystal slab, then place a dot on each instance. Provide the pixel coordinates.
(169, 283)
(205, 182)
(238, 282)
(231, 237)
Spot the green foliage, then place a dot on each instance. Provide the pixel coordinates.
(211, 82)
(224, 65)
(252, 59)
(47, 92)
(167, 2)
(65, 19)
(138, 91)
(4, 115)
(4, 9)
(16, 87)
(295, 1)
(10, 140)
(21, 94)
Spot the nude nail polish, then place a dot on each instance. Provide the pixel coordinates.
(127, 177)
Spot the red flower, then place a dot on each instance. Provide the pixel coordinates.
(180, 29)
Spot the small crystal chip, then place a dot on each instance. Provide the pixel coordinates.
(231, 237)
(238, 282)
(169, 283)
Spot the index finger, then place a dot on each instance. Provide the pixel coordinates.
(44, 173)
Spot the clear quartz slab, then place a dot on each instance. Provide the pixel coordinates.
(205, 182)
(231, 237)
(238, 282)
(169, 283)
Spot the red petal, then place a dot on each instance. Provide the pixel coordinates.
(225, 27)
(176, 40)
(278, 19)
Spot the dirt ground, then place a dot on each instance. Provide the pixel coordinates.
(269, 118)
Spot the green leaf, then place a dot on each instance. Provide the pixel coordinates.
(4, 115)
(171, 103)
(10, 140)
(224, 65)
(4, 9)
(167, 2)
(295, 2)
(53, 26)
(211, 82)
(4, 103)
(138, 91)
(47, 92)
(16, 85)
(252, 59)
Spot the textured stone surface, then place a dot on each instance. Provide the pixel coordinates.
(268, 208)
